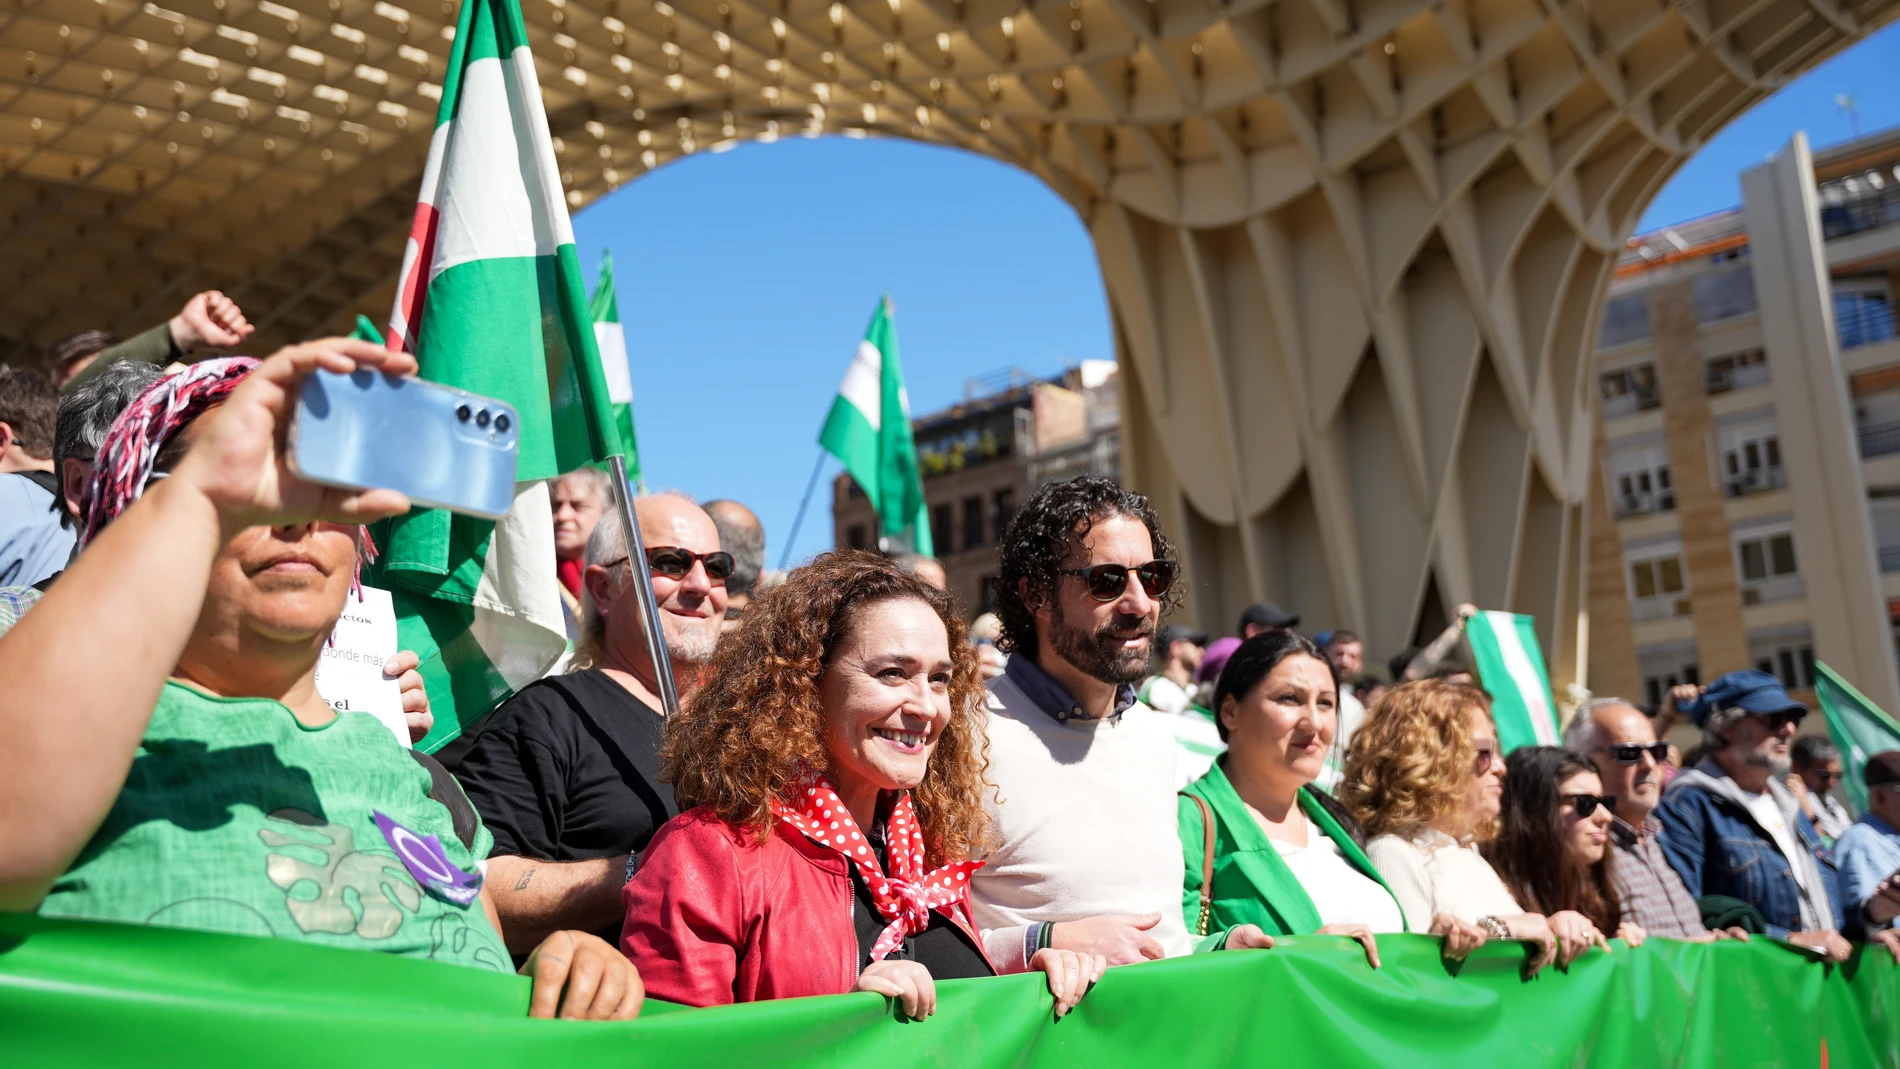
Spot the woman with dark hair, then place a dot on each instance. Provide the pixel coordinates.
(1554, 795)
(830, 777)
(1260, 844)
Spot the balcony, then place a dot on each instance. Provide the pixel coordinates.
(1659, 608)
(1879, 439)
(1867, 209)
(1631, 401)
(1755, 481)
(1781, 588)
(1628, 505)
(1725, 379)
(1890, 558)
(1860, 323)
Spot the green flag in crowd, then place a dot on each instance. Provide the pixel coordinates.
(1510, 666)
(491, 300)
(1858, 727)
(869, 430)
(612, 343)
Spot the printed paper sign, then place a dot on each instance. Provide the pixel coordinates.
(350, 675)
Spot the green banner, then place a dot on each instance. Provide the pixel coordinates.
(79, 994)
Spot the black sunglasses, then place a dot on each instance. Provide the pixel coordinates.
(1630, 753)
(1776, 721)
(1586, 804)
(674, 562)
(1106, 582)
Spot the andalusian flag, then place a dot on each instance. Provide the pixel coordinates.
(869, 430)
(491, 300)
(1510, 665)
(1858, 726)
(612, 341)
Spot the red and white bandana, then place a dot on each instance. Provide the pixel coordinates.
(906, 896)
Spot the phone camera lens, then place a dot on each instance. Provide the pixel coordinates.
(461, 413)
(481, 418)
(501, 423)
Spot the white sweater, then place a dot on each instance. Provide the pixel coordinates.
(1086, 825)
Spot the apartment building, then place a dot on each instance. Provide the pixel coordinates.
(984, 456)
(1746, 506)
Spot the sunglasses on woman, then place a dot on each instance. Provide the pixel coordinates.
(1106, 582)
(674, 562)
(1630, 753)
(1586, 804)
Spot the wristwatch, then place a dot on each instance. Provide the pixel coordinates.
(633, 865)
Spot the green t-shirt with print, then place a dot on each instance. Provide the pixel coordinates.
(235, 817)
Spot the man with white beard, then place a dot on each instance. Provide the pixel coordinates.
(567, 772)
(1730, 829)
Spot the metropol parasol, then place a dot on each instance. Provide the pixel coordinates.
(1354, 249)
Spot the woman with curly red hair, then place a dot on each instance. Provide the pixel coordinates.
(830, 776)
(1425, 775)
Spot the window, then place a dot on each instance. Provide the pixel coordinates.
(1766, 561)
(1657, 583)
(1751, 459)
(1723, 294)
(1630, 389)
(972, 522)
(1736, 371)
(986, 594)
(856, 538)
(1664, 666)
(1787, 657)
(1005, 512)
(1656, 688)
(1862, 317)
(1625, 319)
(940, 529)
(1639, 481)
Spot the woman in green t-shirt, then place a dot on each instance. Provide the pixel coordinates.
(192, 776)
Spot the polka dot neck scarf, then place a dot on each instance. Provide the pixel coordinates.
(904, 896)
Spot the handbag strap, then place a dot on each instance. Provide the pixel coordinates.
(1207, 862)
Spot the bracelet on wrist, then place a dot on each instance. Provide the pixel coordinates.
(1495, 927)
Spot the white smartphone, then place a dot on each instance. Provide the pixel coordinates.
(443, 447)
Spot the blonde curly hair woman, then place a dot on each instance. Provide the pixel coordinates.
(1425, 776)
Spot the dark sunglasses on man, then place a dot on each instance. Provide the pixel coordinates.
(1630, 753)
(1107, 582)
(674, 562)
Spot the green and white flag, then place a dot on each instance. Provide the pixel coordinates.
(869, 430)
(1857, 726)
(491, 300)
(612, 342)
(1510, 665)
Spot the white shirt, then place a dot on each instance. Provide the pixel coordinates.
(1164, 695)
(1087, 822)
(1768, 814)
(1433, 874)
(1341, 893)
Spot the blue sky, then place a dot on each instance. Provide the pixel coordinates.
(747, 277)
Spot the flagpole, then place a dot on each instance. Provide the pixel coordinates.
(785, 555)
(643, 588)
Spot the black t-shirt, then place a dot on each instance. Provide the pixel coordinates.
(568, 770)
(943, 948)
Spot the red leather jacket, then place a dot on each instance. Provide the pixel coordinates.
(714, 916)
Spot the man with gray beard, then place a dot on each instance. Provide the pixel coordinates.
(1087, 855)
(567, 772)
(1731, 830)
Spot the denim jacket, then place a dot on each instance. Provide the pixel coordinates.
(1716, 845)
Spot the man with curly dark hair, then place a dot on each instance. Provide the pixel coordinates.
(1087, 854)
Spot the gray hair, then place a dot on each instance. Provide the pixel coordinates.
(1583, 734)
(87, 410)
(744, 539)
(1716, 726)
(597, 480)
(1811, 750)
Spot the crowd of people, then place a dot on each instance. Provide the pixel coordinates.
(859, 793)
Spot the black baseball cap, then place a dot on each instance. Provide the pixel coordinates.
(1267, 614)
(1174, 633)
(1882, 769)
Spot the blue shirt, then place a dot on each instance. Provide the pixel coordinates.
(1868, 852)
(33, 545)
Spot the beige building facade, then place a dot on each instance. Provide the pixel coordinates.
(1745, 506)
